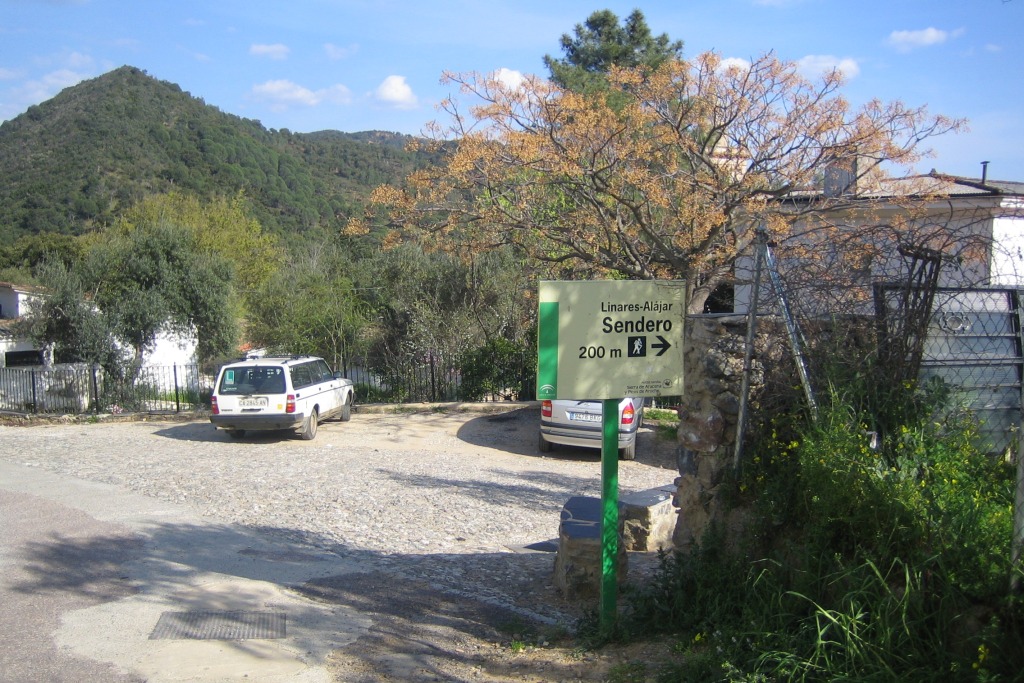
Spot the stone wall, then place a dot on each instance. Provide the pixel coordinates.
(714, 360)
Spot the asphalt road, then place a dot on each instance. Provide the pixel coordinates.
(89, 569)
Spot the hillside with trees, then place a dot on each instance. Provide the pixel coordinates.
(78, 160)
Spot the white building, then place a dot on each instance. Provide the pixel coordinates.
(975, 225)
(15, 303)
(15, 351)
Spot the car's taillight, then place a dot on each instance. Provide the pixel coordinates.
(289, 406)
(545, 408)
(213, 406)
(627, 415)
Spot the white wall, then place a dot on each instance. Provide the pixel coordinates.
(171, 349)
(14, 302)
(1008, 256)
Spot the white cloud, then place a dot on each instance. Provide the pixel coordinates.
(19, 97)
(50, 84)
(275, 51)
(336, 52)
(282, 94)
(395, 92)
(736, 63)
(905, 41)
(76, 60)
(511, 78)
(9, 74)
(813, 66)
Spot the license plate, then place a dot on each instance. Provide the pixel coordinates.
(252, 402)
(584, 417)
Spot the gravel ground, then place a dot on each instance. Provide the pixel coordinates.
(449, 499)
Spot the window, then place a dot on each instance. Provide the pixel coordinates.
(301, 376)
(270, 381)
(325, 371)
(252, 380)
(23, 359)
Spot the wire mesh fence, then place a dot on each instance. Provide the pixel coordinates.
(972, 346)
(963, 342)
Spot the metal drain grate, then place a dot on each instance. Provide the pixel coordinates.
(202, 625)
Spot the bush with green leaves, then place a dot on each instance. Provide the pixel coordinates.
(867, 562)
(499, 368)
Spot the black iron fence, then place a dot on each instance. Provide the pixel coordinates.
(432, 381)
(79, 388)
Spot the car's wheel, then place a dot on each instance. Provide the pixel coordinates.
(309, 429)
(346, 410)
(236, 433)
(543, 445)
(628, 453)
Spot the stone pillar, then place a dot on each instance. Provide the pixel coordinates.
(714, 357)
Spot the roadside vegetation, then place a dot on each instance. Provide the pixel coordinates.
(857, 562)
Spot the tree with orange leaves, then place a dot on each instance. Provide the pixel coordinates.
(669, 181)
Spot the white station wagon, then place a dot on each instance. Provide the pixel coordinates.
(278, 393)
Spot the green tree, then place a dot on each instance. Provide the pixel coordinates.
(78, 331)
(154, 278)
(24, 260)
(309, 306)
(221, 227)
(601, 43)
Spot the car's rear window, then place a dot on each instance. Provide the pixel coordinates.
(252, 379)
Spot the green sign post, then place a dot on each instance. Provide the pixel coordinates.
(610, 339)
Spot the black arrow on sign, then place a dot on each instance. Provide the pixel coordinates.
(662, 344)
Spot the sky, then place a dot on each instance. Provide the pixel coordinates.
(356, 65)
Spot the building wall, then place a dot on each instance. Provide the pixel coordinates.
(13, 345)
(14, 303)
(8, 302)
(171, 349)
(1008, 257)
(975, 246)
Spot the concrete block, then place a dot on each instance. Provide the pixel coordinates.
(648, 519)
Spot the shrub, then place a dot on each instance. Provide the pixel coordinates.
(498, 368)
(870, 561)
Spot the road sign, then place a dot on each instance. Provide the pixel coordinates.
(603, 339)
(610, 339)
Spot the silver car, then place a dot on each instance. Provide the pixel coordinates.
(579, 423)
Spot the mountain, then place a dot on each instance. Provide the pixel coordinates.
(76, 160)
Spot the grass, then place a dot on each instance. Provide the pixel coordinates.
(524, 634)
(661, 415)
(628, 672)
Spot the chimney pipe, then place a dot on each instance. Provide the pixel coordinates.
(984, 172)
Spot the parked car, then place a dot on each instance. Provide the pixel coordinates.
(579, 423)
(279, 392)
